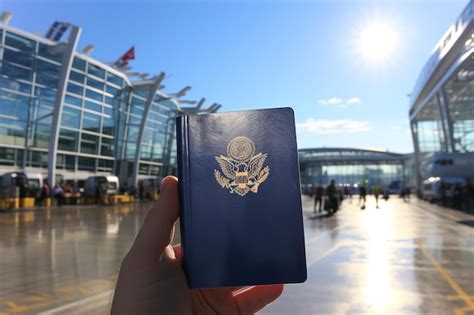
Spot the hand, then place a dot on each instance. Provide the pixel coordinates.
(151, 280)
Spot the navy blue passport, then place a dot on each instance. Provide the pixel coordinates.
(240, 199)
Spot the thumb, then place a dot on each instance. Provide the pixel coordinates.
(156, 231)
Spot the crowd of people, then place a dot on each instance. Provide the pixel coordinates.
(329, 198)
(63, 191)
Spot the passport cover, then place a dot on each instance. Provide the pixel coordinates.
(240, 198)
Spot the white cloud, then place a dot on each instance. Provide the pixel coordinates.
(354, 100)
(332, 101)
(340, 101)
(326, 127)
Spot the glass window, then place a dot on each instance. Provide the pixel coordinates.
(68, 140)
(90, 122)
(112, 90)
(65, 162)
(106, 165)
(23, 87)
(14, 105)
(16, 72)
(109, 100)
(429, 128)
(7, 156)
(48, 94)
(145, 152)
(71, 117)
(47, 67)
(72, 100)
(89, 143)
(76, 89)
(41, 134)
(142, 93)
(93, 106)
(107, 147)
(459, 93)
(108, 127)
(95, 84)
(114, 79)
(86, 164)
(94, 95)
(49, 52)
(94, 70)
(108, 111)
(79, 64)
(133, 120)
(77, 77)
(20, 42)
(48, 80)
(18, 57)
(136, 110)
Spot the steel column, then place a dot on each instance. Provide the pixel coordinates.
(68, 57)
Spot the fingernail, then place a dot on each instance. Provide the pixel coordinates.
(170, 252)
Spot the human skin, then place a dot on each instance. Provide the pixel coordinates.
(152, 281)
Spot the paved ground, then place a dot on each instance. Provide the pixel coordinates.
(404, 258)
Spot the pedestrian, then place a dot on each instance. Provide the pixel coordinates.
(332, 194)
(44, 193)
(348, 193)
(442, 193)
(376, 191)
(97, 193)
(133, 191)
(407, 192)
(403, 194)
(385, 194)
(318, 199)
(58, 195)
(362, 196)
(457, 196)
(469, 196)
(141, 192)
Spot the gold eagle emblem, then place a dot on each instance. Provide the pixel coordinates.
(242, 169)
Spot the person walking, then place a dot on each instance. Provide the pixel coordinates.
(318, 199)
(332, 194)
(362, 196)
(141, 192)
(376, 191)
(385, 194)
(44, 193)
(348, 193)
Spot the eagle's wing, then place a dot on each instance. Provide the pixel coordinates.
(226, 165)
(255, 164)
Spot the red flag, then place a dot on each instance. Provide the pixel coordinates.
(129, 55)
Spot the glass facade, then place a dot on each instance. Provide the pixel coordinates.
(351, 167)
(101, 117)
(442, 105)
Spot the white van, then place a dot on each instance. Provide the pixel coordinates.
(431, 189)
(10, 183)
(109, 185)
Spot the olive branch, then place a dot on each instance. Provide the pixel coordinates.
(223, 181)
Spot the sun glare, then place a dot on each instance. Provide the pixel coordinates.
(377, 41)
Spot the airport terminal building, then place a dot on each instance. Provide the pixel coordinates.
(353, 167)
(442, 105)
(69, 116)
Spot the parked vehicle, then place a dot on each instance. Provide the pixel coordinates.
(434, 187)
(108, 185)
(10, 184)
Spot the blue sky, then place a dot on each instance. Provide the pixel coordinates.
(259, 54)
